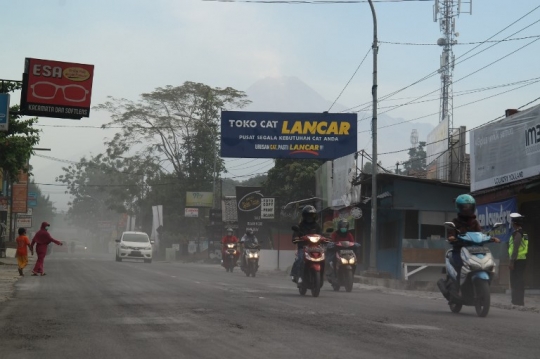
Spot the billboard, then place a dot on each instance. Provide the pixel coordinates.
(506, 151)
(4, 111)
(497, 212)
(287, 135)
(199, 199)
(56, 89)
(436, 157)
(19, 196)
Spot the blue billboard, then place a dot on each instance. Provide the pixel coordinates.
(497, 212)
(4, 112)
(287, 135)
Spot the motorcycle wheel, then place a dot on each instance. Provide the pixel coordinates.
(336, 287)
(253, 274)
(302, 290)
(316, 289)
(247, 273)
(348, 281)
(455, 307)
(483, 300)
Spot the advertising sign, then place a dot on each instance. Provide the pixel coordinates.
(23, 221)
(287, 135)
(506, 151)
(343, 174)
(19, 192)
(249, 202)
(199, 199)
(56, 89)
(191, 212)
(267, 208)
(436, 147)
(497, 212)
(32, 199)
(4, 111)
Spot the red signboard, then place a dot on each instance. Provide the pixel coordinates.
(56, 89)
(20, 194)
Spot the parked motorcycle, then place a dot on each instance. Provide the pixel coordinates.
(312, 272)
(251, 260)
(229, 258)
(476, 273)
(342, 268)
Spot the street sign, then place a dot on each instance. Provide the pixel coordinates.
(191, 212)
(23, 221)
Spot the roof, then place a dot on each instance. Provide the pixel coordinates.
(391, 176)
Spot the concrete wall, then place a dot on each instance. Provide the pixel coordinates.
(268, 259)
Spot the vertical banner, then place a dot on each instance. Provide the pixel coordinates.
(497, 212)
(157, 221)
(19, 194)
(4, 111)
(249, 204)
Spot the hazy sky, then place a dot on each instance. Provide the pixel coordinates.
(137, 46)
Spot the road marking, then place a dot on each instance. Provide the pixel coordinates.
(412, 326)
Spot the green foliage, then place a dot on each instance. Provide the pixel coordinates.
(291, 180)
(417, 160)
(16, 144)
(229, 185)
(45, 210)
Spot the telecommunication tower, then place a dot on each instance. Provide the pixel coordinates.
(414, 138)
(446, 12)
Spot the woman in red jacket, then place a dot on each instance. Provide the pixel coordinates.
(42, 240)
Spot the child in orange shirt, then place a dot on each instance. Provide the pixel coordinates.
(23, 243)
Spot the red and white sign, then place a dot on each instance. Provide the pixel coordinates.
(56, 89)
(191, 212)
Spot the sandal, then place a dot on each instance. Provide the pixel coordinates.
(42, 274)
(34, 274)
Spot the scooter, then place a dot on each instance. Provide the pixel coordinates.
(476, 273)
(312, 272)
(251, 260)
(344, 265)
(230, 257)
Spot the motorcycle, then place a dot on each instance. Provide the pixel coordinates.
(229, 257)
(343, 267)
(251, 260)
(476, 273)
(312, 272)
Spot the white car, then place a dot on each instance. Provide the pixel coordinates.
(134, 245)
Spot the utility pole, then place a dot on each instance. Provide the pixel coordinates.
(373, 241)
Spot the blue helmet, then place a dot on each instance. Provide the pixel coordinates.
(465, 205)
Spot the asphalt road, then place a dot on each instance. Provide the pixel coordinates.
(94, 307)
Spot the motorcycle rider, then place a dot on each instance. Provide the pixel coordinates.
(248, 240)
(465, 222)
(341, 234)
(308, 225)
(229, 238)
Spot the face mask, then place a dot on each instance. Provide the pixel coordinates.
(343, 230)
(47, 228)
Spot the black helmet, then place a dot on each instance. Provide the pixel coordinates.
(309, 214)
(249, 231)
(343, 224)
(465, 205)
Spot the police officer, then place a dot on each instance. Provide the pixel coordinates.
(517, 251)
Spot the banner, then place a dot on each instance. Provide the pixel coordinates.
(56, 89)
(287, 135)
(157, 223)
(506, 151)
(4, 111)
(199, 199)
(343, 174)
(19, 194)
(249, 204)
(437, 151)
(497, 212)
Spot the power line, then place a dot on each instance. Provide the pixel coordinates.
(348, 82)
(312, 2)
(459, 43)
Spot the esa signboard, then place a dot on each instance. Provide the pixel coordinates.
(56, 89)
(287, 135)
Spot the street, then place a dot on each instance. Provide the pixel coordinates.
(89, 306)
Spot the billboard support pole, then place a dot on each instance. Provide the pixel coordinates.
(373, 241)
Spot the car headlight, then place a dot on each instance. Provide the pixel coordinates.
(352, 260)
(344, 261)
(121, 246)
(149, 248)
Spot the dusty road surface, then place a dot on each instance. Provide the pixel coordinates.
(93, 307)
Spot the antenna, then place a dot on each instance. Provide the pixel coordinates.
(446, 11)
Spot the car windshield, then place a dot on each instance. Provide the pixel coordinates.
(135, 237)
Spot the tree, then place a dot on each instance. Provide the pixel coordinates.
(16, 144)
(368, 167)
(291, 180)
(417, 160)
(45, 210)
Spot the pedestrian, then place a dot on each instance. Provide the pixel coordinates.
(23, 243)
(518, 246)
(42, 240)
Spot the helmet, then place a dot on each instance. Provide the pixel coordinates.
(343, 224)
(465, 205)
(309, 214)
(229, 231)
(517, 218)
(249, 231)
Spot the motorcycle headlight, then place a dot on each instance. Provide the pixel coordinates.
(352, 260)
(250, 255)
(313, 239)
(256, 255)
(344, 261)
(230, 245)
